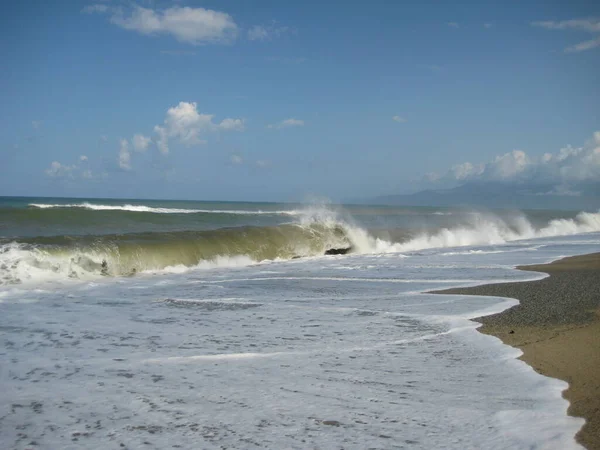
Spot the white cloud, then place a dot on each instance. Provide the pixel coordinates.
(508, 165)
(184, 123)
(582, 46)
(432, 177)
(568, 165)
(140, 142)
(104, 138)
(262, 163)
(163, 139)
(291, 122)
(194, 26)
(466, 170)
(58, 170)
(264, 33)
(258, 33)
(487, 25)
(124, 155)
(36, 124)
(582, 25)
(236, 159)
(453, 25)
(232, 125)
(398, 119)
(97, 8)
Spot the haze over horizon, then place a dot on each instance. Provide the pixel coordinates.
(278, 101)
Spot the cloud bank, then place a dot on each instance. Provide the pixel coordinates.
(569, 166)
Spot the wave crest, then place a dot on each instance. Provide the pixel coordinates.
(149, 209)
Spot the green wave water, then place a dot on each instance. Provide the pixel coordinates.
(137, 252)
(50, 239)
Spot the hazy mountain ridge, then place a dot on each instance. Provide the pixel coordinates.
(502, 195)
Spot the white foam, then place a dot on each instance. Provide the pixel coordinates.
(105, 361)
(20, 263)
(487, 229)
(143, 208)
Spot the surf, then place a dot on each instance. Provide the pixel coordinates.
(314, 232)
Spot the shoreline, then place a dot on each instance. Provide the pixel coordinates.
(557, 327)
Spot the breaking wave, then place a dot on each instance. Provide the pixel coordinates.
(313, 232)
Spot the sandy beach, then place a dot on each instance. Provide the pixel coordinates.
(557, 326)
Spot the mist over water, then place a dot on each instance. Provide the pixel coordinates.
(235, 330)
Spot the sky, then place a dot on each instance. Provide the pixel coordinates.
(284, 101)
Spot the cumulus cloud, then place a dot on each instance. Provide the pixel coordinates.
(36, 124)
(124, 159)
(466, 170)
(232, 125)
(140, 142)
(453, 25)
(507, 166)
(590, 25)
(58, 170)
(287, 123)
(570, 165)
(196, 26)
(184, 123)
(398, 119)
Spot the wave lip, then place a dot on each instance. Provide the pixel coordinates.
(149, 209)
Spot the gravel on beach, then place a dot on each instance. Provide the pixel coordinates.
(557, 326)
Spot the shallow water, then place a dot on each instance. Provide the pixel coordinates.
(327, 352)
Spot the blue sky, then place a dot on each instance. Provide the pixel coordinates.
(273, 100)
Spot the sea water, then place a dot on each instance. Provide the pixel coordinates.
(233, 352)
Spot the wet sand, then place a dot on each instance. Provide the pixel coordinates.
(557, 326)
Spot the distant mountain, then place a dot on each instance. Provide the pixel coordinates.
(502, 195)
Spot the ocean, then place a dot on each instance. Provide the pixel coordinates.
(180, 324)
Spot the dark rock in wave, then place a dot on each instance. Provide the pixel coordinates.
(338, 251)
